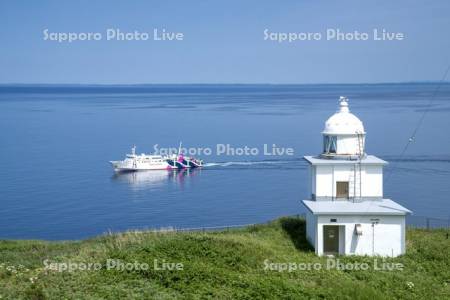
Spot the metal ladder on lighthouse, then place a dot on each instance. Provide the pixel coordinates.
(355, 180)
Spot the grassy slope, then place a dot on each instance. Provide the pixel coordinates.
(223, 265)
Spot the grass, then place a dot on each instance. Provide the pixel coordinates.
(219, 265)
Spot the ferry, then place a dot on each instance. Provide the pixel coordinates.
(135, 162)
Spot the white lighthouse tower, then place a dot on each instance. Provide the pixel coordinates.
(347, 213)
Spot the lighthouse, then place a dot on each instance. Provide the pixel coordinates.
(347, 213)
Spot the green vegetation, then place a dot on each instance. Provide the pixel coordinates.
(219, 265)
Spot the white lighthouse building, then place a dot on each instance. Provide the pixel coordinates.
(347, 213)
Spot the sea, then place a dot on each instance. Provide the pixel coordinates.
(56, 141)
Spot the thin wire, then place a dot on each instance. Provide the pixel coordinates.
(416, 129)
(419, 124)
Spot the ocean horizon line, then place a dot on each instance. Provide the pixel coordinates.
(210, 84)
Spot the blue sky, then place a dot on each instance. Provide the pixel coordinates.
(223, 42)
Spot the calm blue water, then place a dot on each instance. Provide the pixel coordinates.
(56, 183)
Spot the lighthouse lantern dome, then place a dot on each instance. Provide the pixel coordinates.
(344, 133)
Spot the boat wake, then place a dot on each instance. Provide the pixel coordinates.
(257, 163)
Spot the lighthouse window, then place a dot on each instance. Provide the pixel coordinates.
(329, 144)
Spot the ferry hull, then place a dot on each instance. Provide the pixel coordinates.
(119, 167)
